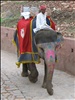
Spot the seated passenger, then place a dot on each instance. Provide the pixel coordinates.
(41, 20)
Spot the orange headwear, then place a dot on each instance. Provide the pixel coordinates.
(42, 7)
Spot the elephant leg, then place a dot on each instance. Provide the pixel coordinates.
(33, 75)
(24, 70)
(50, 69)
(45, 76)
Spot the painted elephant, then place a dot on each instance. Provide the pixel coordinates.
(47, 41)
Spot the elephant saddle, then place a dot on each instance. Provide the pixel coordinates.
(28, 52)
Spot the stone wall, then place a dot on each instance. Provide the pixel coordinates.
(6, 39)
(66, 55)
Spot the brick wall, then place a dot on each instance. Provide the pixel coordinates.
(66, 55)
(6, 39)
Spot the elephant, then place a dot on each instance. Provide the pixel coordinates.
(47, 42)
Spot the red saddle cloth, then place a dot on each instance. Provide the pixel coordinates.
(27, 51)
(52, 23)
(24, 35)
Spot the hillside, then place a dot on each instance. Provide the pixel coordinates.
(62, 12)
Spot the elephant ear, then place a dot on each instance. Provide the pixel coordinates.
(59, 40)
(45, 36)
(59, 37)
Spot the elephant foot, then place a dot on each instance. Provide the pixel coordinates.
(44, 85)
(32, 79)
(50, 91)
(33, 75)
(24, 74)
(49, 88)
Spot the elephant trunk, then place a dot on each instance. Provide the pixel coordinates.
(47, 52)
(50, 62)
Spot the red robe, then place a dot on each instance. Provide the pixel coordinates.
(24, 35)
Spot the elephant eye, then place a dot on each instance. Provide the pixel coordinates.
(42, 49)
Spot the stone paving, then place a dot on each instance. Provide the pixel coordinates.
(15, 87)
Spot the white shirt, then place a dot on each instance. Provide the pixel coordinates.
(41, 22)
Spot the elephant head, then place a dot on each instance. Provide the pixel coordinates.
(47, 41)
